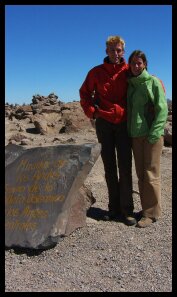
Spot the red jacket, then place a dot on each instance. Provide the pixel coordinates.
(109, 82)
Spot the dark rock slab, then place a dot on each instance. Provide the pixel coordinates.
(12, 152)
(44, 197)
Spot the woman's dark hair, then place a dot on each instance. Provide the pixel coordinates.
(138, 54)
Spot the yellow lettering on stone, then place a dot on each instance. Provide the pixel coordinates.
(11, 199)
(14, 189)
(17, 225)
(44, 198)
(39, 175)
(34, 213)
(22, 178)
(12, 212)
(33, 188)
(25, 165)
(49, 187)
(60, 163)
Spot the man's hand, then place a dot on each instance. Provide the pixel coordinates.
(96, 114)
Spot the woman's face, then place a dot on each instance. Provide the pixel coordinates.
(137, 66)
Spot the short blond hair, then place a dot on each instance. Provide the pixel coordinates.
(115, 39)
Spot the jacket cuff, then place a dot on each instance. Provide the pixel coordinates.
(90, 112)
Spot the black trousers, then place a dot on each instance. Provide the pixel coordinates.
(116, 154)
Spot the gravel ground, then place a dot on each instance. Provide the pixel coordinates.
(102, 256)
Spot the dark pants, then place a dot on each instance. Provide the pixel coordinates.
(116, 154)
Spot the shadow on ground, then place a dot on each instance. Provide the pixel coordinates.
(28, 251)
(96, 213)
(32, 131)
(99, 214)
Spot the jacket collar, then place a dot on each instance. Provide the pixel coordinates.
(136, 80)
(114, 67)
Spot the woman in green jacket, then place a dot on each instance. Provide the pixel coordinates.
(147, 115)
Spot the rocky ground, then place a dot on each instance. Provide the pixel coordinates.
(101, 256)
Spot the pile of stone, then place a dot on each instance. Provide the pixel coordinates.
(53, 116)
(50, 115)
(17, 111)
(39, 105)
(48, 103)
(46, 113)
(8, 109)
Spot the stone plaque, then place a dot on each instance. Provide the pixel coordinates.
(42, 190)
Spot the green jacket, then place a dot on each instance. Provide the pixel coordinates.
(146, 107)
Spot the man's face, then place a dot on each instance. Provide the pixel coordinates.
(115, 52)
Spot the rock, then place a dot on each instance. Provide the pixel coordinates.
(168, 133)
(89, 198)
(169, 103)
(169, 118)
(40, 124)
(74, 117)
(25, 141)
(17, 137)
(45, 198)
(12, 141)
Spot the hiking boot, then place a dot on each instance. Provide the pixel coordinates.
(138, 215)
(110, 216)
(145, 222)
(129, 220)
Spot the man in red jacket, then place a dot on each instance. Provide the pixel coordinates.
(103, 97)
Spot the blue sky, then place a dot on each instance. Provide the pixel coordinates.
(51, 48)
